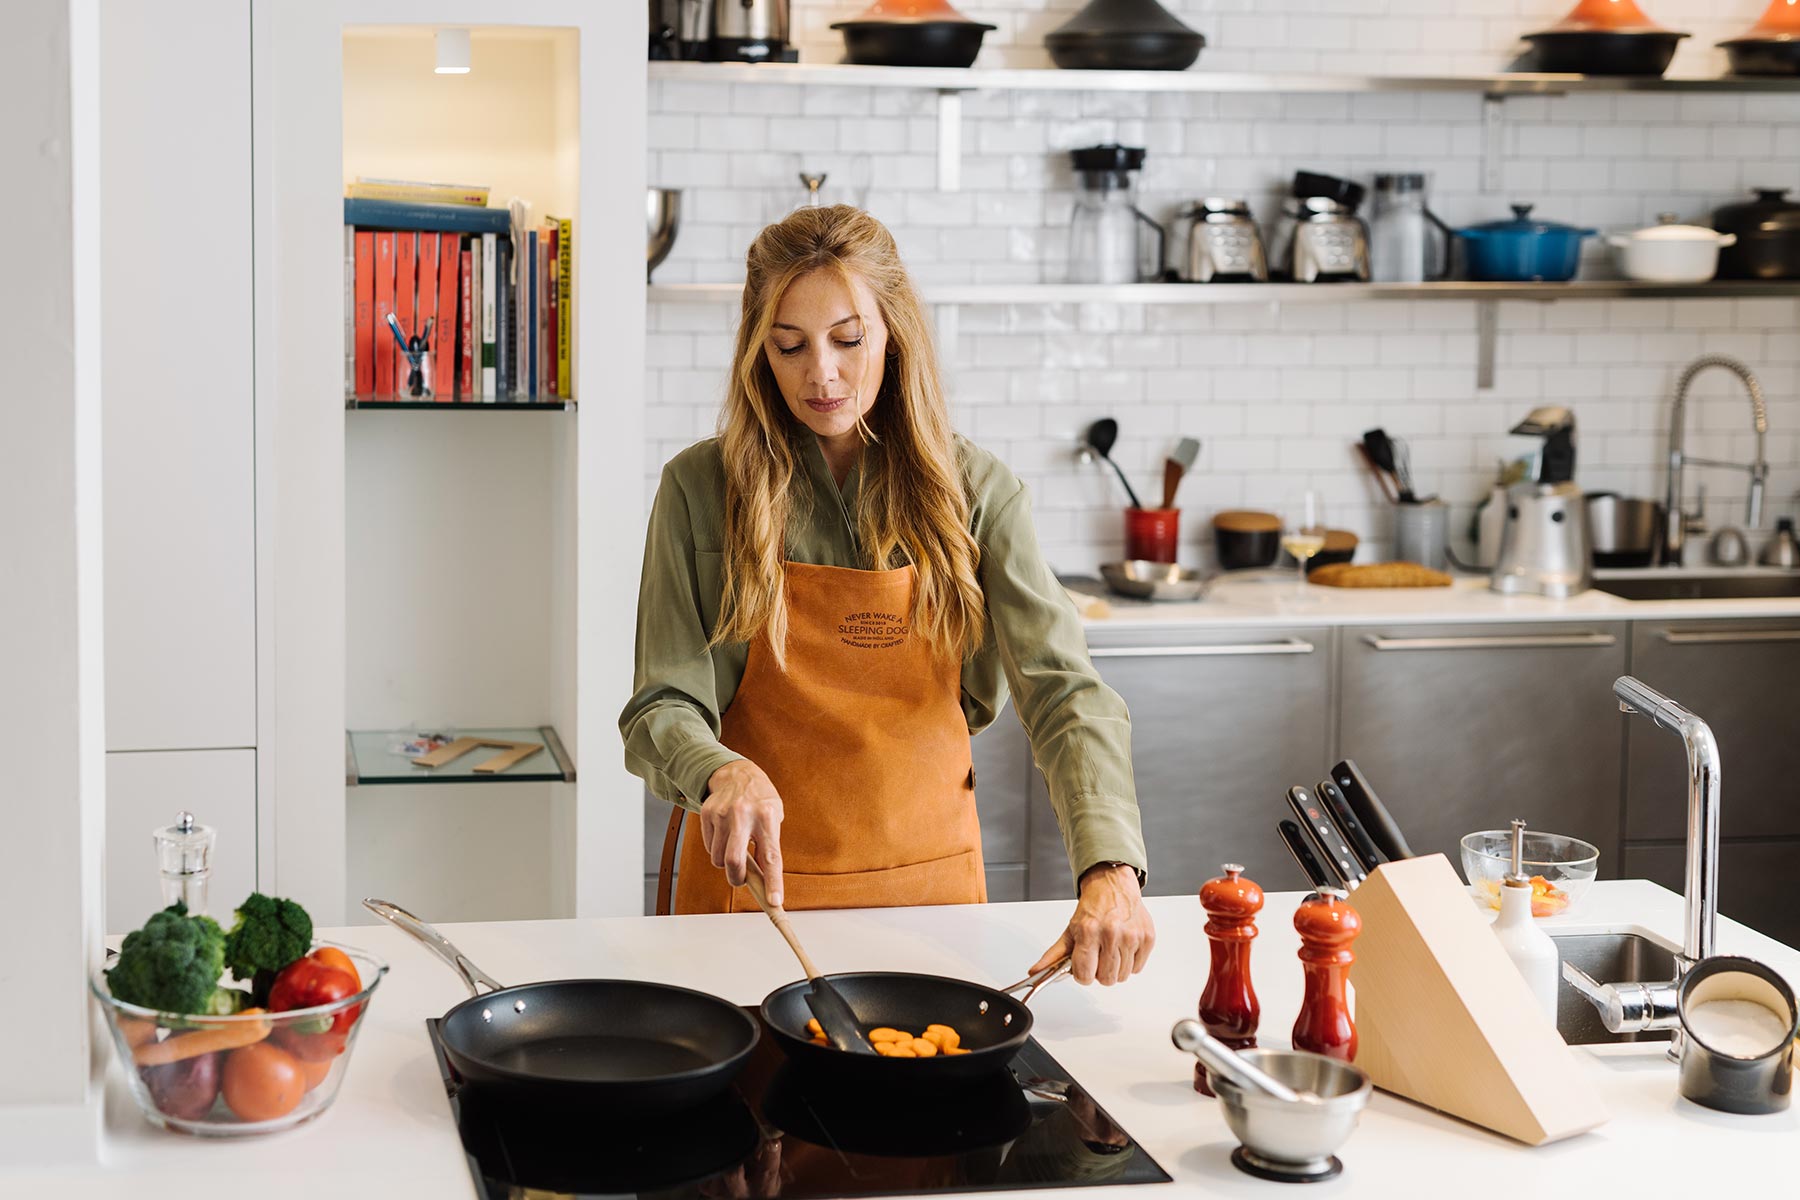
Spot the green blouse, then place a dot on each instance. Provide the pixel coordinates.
(1079, 729)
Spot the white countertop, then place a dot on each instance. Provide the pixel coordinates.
(390, 1131)
(1265, 599)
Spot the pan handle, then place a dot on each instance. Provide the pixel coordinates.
(1031, 983)
(473, 977)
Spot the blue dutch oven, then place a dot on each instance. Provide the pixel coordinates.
(1523, 250)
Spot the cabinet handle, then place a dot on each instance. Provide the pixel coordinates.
(1544, 641)
(1717, 638)
(1292, 645)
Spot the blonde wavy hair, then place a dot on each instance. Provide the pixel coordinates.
(911, 507)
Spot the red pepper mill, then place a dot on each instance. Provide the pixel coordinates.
(1327, 925)
(1228, 1007)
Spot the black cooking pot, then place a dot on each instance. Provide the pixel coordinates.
(1603, 51)
(1763, 55)
(1768, 237)
(911, 43)
(1123, 35)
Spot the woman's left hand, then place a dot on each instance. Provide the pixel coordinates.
(1111, 934)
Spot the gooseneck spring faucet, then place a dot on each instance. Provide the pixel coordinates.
(1639, 1007)
(1675, 521)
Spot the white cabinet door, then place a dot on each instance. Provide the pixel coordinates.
(177, 417)
(144, 791)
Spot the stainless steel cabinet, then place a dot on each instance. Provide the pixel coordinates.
(1462, 727)
(1754, 885)
(1738, 676)
(1221, 724)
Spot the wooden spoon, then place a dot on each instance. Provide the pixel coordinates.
(834, 1013)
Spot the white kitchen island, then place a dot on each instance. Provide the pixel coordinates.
(390, 1132)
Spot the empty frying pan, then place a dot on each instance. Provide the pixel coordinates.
(617, 1043)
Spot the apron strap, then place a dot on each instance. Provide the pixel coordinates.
(665, 875)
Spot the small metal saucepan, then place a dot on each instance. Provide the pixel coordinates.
(991, 1022)
(620, 1044)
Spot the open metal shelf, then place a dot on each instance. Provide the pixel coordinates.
(1264, 293)
(1506, 83)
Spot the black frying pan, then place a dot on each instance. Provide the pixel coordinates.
(993, 1025)
(616, 1043)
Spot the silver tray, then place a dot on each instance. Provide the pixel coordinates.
(1154, 580)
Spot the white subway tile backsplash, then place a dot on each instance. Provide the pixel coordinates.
(1277, 392)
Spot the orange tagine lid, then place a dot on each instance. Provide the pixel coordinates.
(1606, 16)
(1780, 20)
(910, 11)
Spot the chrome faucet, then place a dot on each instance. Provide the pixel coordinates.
(1639, 1007)
(1678, 523)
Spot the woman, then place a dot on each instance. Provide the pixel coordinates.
(837, 592)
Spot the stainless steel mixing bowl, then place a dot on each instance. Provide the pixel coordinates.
(662, 209)
(1295, 1139)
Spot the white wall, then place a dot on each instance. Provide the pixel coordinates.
(52, 692)
(1277, 393)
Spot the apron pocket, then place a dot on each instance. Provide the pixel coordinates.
(954, 879)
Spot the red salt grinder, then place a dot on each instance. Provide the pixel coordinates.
(1228, 1007)
(1327, 925)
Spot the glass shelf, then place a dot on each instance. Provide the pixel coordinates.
(351, 402)
(368, 759)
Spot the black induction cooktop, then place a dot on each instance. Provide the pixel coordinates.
(775, 1134)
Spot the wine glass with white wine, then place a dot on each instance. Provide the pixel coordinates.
(1303, 533)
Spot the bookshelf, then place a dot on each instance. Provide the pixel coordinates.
(470, 574)
(459, 548)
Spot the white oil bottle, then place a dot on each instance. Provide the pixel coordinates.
(1529, 947)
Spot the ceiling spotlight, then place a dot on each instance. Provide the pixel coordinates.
(452, 52)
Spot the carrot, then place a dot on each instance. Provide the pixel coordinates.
(137, 1031)
(202, 1041)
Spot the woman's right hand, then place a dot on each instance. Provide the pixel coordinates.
(742, 806)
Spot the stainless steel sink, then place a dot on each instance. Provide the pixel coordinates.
(1613, 958)
(1658, 584)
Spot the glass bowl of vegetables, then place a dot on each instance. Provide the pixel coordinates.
(1559, 867)
(261, 1069)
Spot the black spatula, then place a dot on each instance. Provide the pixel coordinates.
(827, 1004)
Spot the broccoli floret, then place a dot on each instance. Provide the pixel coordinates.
(270, 933)
(172, 964)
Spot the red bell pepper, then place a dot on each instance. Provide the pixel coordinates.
(307, 983)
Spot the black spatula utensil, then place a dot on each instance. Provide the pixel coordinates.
(828, 1005)
(1100, 438)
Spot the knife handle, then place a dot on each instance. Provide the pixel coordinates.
(1336, 853)
(1338, 809)
(1295, 840)
(1376, 819)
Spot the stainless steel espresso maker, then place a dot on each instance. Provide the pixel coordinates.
(1545, 545)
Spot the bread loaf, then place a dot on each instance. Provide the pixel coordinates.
(1378, 575)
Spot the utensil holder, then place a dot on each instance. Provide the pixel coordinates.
(1714, 1075)
(1152, 534)
(1419, 532)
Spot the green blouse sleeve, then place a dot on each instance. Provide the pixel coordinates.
(1079, 728)
(671, 724)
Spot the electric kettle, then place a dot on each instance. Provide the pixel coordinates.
(1545, 545)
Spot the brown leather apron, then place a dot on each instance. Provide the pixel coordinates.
(863, 734)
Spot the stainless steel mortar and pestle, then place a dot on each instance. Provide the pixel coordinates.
(1289, 1110)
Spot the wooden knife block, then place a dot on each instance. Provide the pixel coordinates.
(1444, 1018)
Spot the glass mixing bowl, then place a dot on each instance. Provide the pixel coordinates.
(1559, 867)
(243, 1074)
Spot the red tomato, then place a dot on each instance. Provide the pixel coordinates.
(315, 1072)
(262, 1082)
(308, 983)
